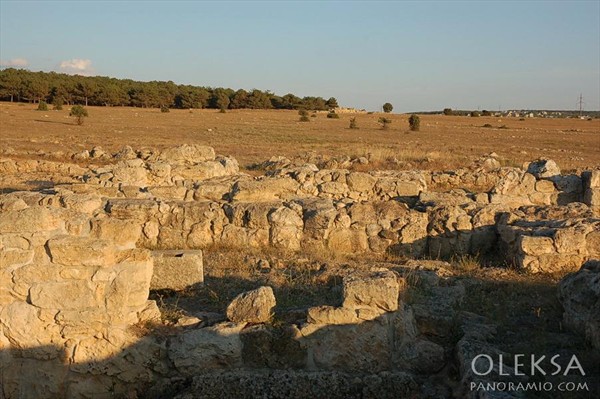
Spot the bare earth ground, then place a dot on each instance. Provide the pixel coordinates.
(252, 136)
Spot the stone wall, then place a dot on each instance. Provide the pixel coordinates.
(549, 245)
(69, 294)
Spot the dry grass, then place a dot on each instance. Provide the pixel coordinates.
(444, 142)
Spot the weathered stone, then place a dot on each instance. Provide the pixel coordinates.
(66, 295)
(25, 330)
(213, 347)
(85, 203)
(130, 176)
(355, 347)
(543, 168)
(187, 154)
(84, 251)
(123, 233)
(332, 315)
(377, 289)
(544, 186)
(362, 182)
(263, 190)
(591, 178)
(279, 348)
(421, 356)
(579, 294)
(532, 245)
(177, 270)
(254, 306)
(286, 230)
(131, 285)
(32, 220)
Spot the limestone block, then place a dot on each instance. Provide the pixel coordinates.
(362, 347)
(176, 269)
(532, 245)
(187, 154)
(32, 220)
(377, 289)
(361, 182)
(81, 251)
(332, 315)
(68, 295)
(214, 347)
(544, 186)
(123, 233)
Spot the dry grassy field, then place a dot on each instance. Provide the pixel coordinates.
(253, 136)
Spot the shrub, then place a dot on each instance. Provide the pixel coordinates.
(333, 115)
(79, 113)
(58, 104)
(447, 111)
(487, 125)
(486, 113)
(384, 122)
(222, 110)
(387, 108)
(164, 109)
(353, 124)
(303, 115)
(313, 115)
(475, 114)
(42, 106)
(414, 122)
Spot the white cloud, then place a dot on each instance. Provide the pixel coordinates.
(15, 62)
(77, 66)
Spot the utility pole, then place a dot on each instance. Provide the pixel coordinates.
(580, 103)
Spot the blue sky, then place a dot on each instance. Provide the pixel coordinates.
(424, 55)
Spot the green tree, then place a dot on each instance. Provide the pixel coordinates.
(240, 100)
(332, 103)
(447, 111)
(219, 99)
(384, 122)
(79, 113)
(414, 122)
(36, 88)
(10, 83)
(387, 108)
(86, 88)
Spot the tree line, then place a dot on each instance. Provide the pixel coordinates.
(23, 85)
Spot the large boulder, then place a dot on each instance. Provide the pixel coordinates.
(254, 306)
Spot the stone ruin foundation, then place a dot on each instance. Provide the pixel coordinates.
(78, 260)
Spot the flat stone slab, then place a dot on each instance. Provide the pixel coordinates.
(177, 269)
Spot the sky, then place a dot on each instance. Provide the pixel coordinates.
(419, 56)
